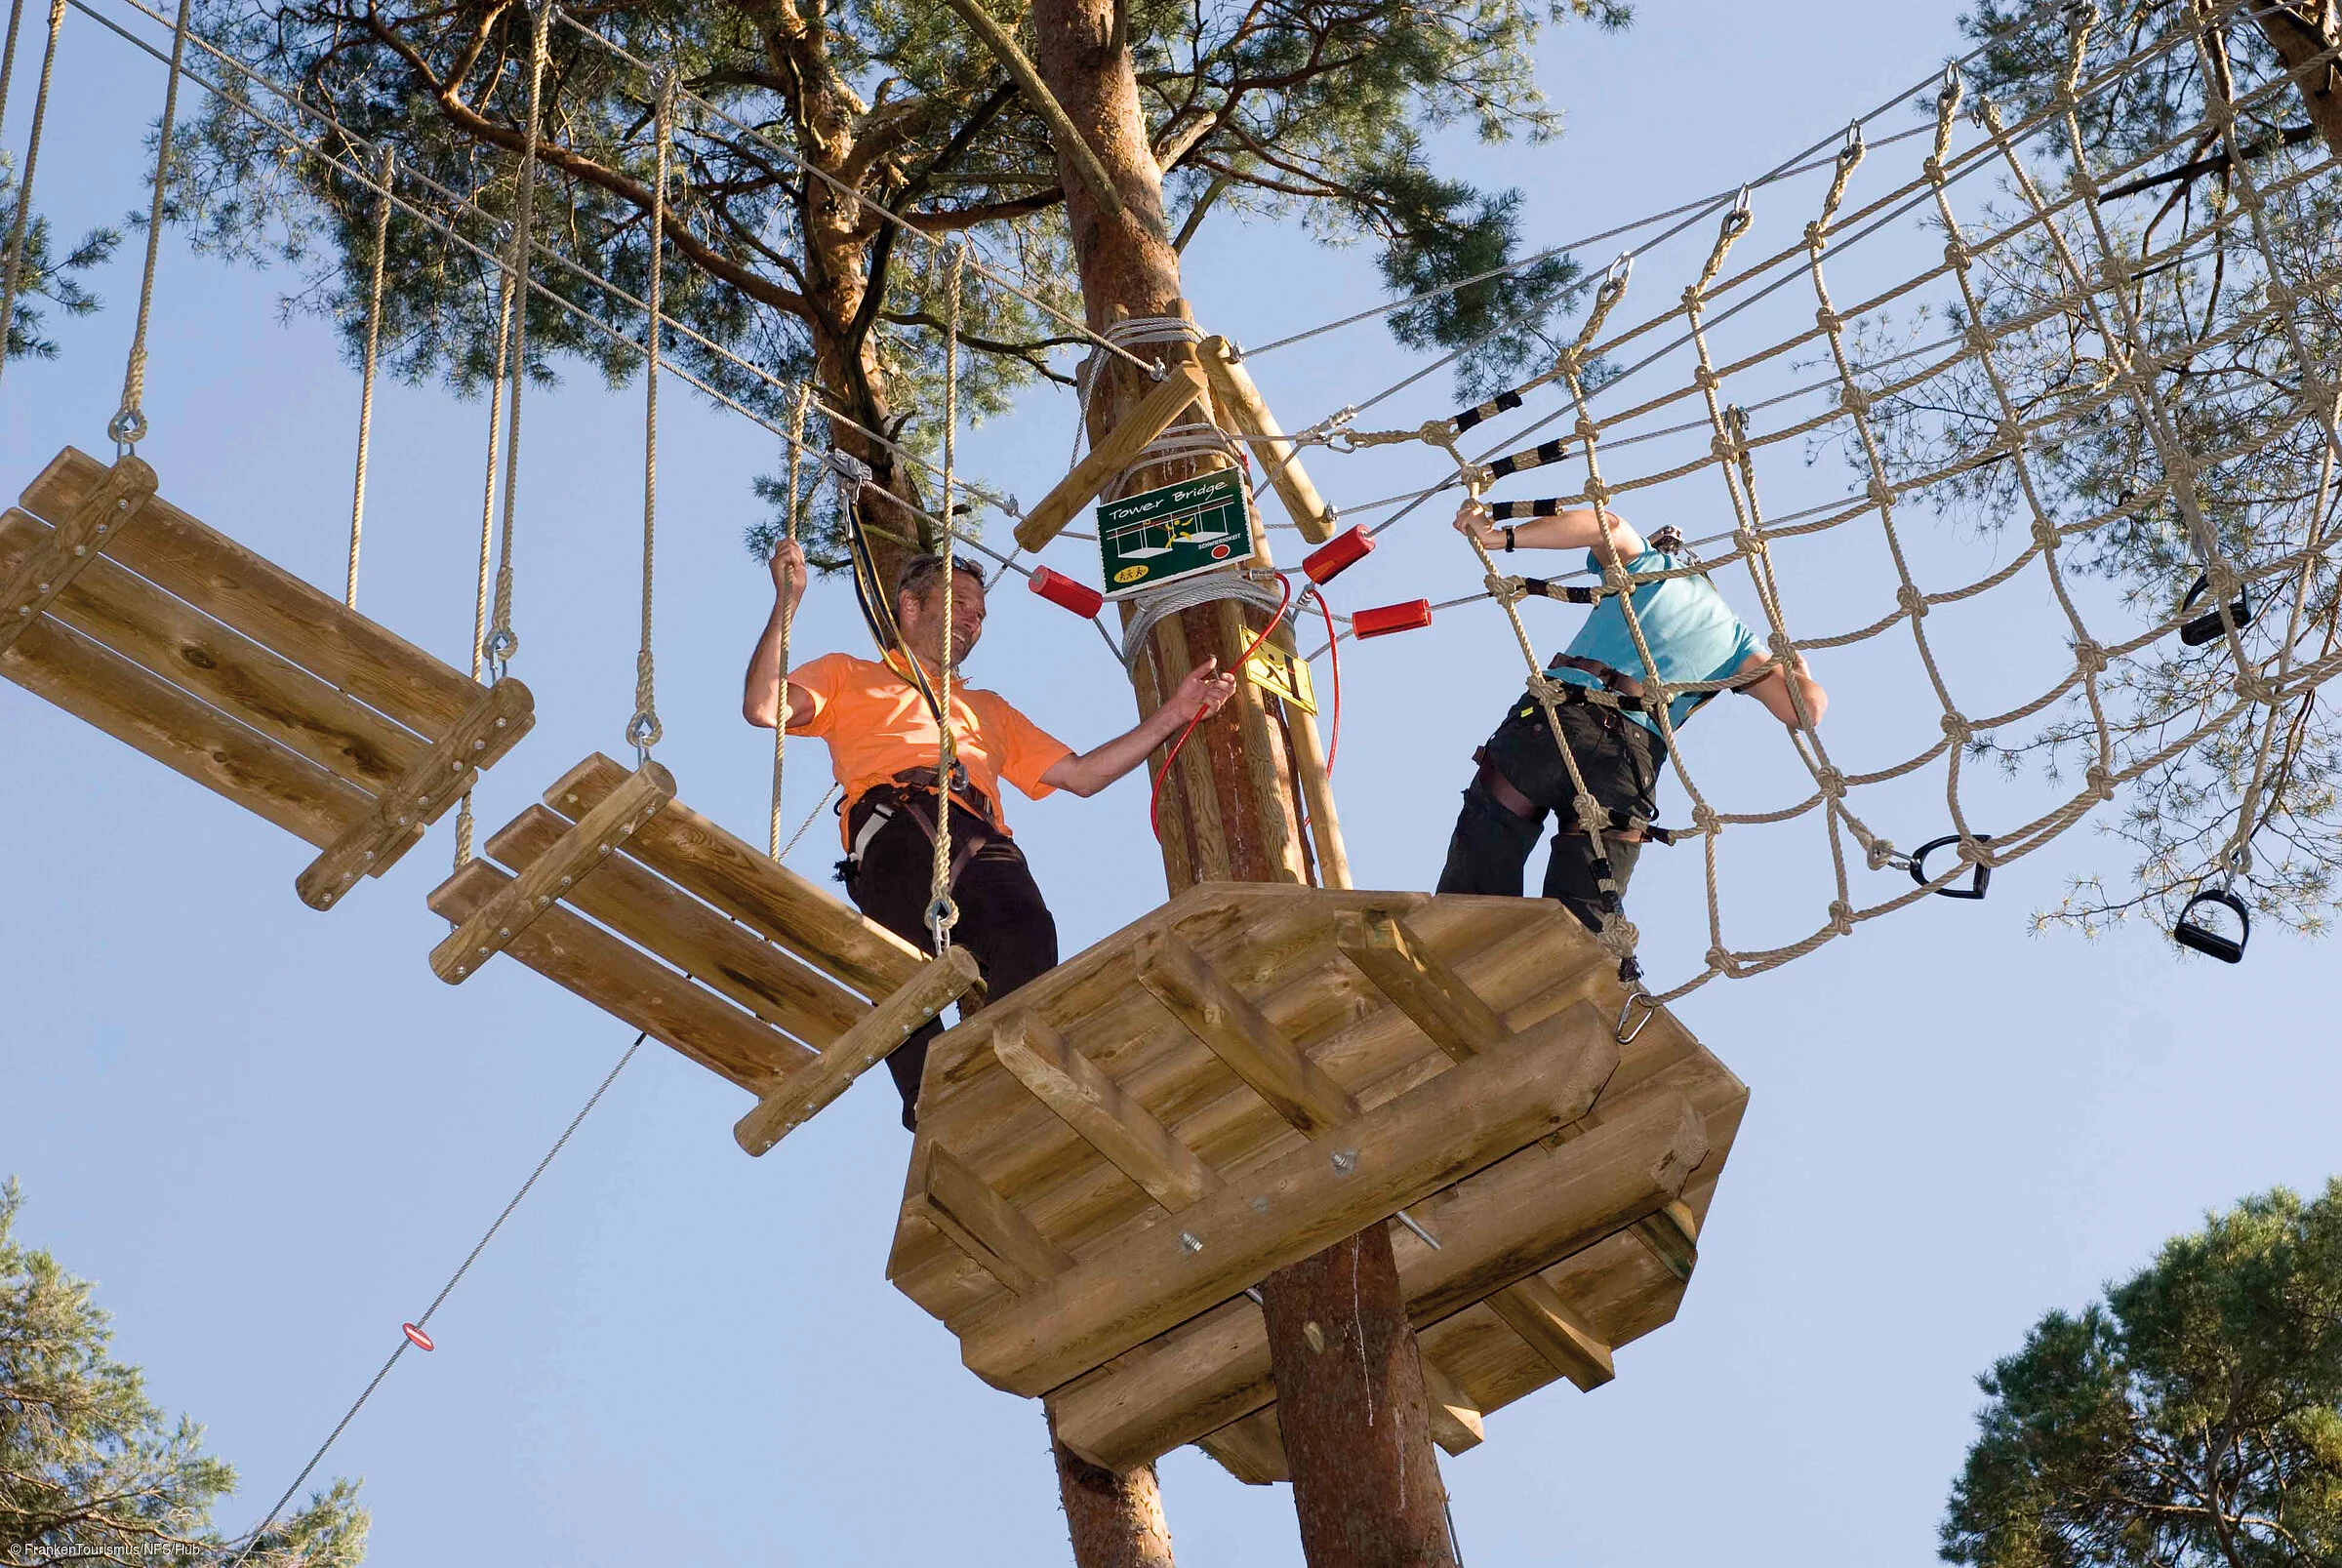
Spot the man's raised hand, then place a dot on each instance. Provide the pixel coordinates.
(789, 571)
(1474, 522)
(1202, 693)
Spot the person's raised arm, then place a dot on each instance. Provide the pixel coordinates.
(1774, 691)
(1085, 772)
(1578, 529)
(760, 697)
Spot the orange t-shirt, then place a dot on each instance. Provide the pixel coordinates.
(878, 725)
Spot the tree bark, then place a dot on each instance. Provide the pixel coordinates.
(1365, 1477)
(1358, 1440)
(1115, 1520)
(2300, 33)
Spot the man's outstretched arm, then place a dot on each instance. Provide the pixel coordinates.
(760, 697)
(1578, 529)
(1087, 772)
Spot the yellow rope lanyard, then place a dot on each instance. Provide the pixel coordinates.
(487, 557)
(645, 729)
(374, 338)
(796, 507)
(942, 912)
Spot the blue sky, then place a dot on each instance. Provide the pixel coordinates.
(270, 1134)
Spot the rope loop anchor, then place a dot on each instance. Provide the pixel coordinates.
(127, 429)
(643, 731)
(1915, 862)
(941, 915)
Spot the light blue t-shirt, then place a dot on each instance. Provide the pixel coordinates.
(1693, 634)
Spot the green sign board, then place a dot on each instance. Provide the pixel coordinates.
(1163, 534)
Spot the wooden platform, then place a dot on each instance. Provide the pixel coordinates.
(126, 612)
(1108, 1158)
(614, 890)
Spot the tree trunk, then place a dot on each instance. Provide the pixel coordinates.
(2300, 33)
(1115, 1520)
(1365, 1478)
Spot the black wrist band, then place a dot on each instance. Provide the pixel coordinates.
(1508, 539)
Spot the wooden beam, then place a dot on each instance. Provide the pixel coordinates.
(855, 1052)
(1535, 1311)
(1067, 139)
(1528, 1213)
(597, 837)
(1092, 475)
(751, 886)
(1325, 822)
(1241, 400)
(115, 607)
(267, 603)
(1094, 1106)
(90, 525)
(145, 712)
(1672, 1236)
(985, 1225)
(639, 990)
(1523, 1213)
(1252, 1450)
(1455, 1416)
(645, 907)
(1420, 983)
(371, 845)
(1466, 1118)
(1236, 1032)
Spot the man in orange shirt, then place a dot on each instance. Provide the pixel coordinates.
(883, 737)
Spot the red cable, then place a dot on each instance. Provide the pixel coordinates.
(1333, 649)
(1154, 796)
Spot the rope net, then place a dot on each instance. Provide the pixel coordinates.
(2090, 388)
(2091, 446)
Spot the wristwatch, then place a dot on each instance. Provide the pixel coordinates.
(1508, 539)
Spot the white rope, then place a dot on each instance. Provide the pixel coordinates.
(643, 729)
(942, 912)
(17, 230)
(797, 507)
(374, 338)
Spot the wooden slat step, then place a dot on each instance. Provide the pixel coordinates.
(129, 616)
(643, 907)
(887, 1026)
(143, 710)
(751, 886)
(418, 797)
(95, 521)
(265, 602)
(620, 980)
(597, 837)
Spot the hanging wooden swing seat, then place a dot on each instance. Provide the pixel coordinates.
(1109, 1158)
(127, 613)
(620, 892)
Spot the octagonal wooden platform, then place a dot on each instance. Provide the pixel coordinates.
(1107, 1160)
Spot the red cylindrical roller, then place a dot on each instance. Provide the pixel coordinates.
(1062, 590)
(1385, 619)
(1337, 555)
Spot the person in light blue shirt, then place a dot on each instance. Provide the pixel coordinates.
(1693, 637)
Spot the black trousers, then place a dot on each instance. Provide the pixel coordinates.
(1490, 847)
(1002, 921)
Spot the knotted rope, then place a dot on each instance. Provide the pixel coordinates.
(374, 338)
(643, 729)
(503, 644)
